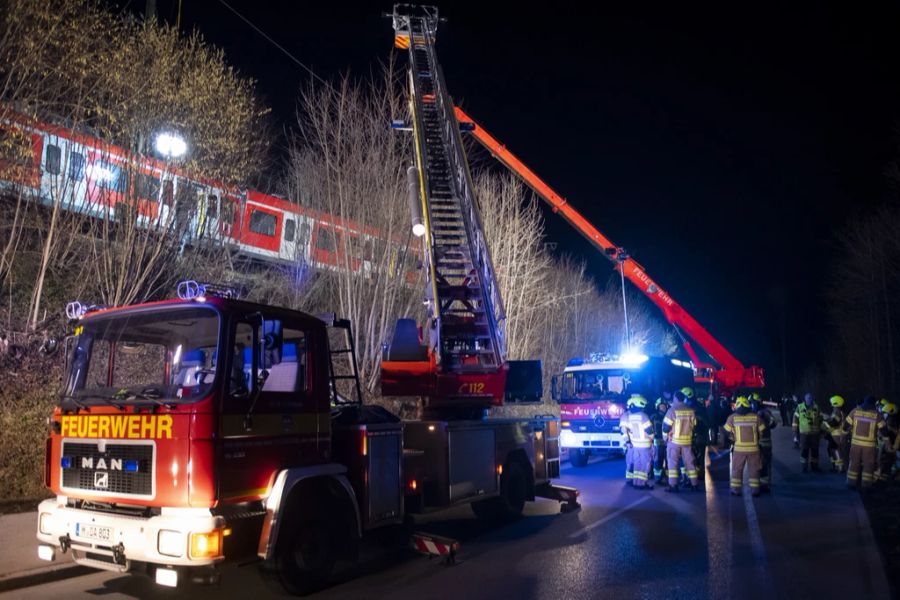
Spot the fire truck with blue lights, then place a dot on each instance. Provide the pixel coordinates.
(206, 428)
(592, 395)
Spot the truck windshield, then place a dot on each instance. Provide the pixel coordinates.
(599, 384)
(166, 355)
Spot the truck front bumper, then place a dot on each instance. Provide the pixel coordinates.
(175, 539)
(592, 441)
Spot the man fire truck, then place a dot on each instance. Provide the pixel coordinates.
(592, 396)
(207, 428)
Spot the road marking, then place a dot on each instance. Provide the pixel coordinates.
(609, 517)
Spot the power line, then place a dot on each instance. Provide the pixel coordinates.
(273, 42)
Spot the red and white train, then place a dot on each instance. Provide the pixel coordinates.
(87, 175)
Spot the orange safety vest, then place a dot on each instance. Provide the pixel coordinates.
(745, 429)
(681, 419)
(638, 428)
(864, 426)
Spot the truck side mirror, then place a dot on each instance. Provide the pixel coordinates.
(553, 392)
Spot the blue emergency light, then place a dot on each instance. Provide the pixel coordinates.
(132, 466)
(65, 462)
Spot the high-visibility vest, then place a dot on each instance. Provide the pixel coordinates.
(682, 419)
(864, 425)
(745, 429)
(807, 419)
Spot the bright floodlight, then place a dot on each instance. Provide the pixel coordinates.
(633, 358)
(170, 145)
(418, 229)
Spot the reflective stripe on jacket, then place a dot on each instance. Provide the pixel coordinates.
(864, 426)
(638, 428)
(682, 419)
(745, 430)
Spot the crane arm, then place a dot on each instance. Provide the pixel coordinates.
(729, 372)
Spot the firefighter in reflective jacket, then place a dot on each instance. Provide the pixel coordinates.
(744, 427)
(864, 425)
(638, 430)
(807, 423)
(678, 425)
(659, 440)
(765, 442)
(887, 455)
(833, 425)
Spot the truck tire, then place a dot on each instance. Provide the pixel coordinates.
(578, 457)
(305, 552)
(508, 506)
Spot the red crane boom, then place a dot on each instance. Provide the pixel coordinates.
(728, 373)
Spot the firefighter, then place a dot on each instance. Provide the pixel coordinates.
(629, 448)
(744, 427)
(701, 433)
(887, 455)
(765, 442)
(659, 440)
(678, 425)
(833, 425)
(806, 425)
(638, 429)
(864, 425)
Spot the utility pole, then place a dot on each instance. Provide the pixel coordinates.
(150, 10)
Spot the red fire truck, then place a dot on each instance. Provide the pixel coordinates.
(207, 428)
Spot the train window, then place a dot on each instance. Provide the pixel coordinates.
(53, 159)
(167, 192)
(15, 147)
(76, 166)
(368, 249)
(263, 223)
(327, 239)
(303, 241)
(147, 186)
(212, 206)
(228, 211)
(109, 176)
(290, 228)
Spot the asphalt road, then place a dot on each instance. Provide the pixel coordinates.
(809, 539)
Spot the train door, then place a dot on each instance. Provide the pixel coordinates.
(288, 249)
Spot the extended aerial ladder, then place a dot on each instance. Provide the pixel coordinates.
(725, 372)
(464, 362)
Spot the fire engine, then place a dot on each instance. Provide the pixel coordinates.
(592, 395)
(205, 428)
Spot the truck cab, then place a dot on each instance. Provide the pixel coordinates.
(592, 395)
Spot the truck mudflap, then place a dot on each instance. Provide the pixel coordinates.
(566, 496)
(435, 545)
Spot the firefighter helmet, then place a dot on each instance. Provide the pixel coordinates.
(836, 401)
(688, 392)
(661, 402)
(742, 402)
(755, 396)
(637, 400)
(890, 409)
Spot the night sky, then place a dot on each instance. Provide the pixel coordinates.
(723, 147)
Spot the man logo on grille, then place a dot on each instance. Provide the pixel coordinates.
(101, 479)
(599, 421)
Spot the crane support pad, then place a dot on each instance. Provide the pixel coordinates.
(434, 545)
(566, 496)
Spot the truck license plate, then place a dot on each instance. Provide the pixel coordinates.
(93, 532)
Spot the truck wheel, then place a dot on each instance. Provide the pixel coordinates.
(578, 457)
(305, 553)
(508, 506)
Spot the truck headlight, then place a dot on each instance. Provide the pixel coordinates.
(170, 543)
(206, 545)
(45, 523)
